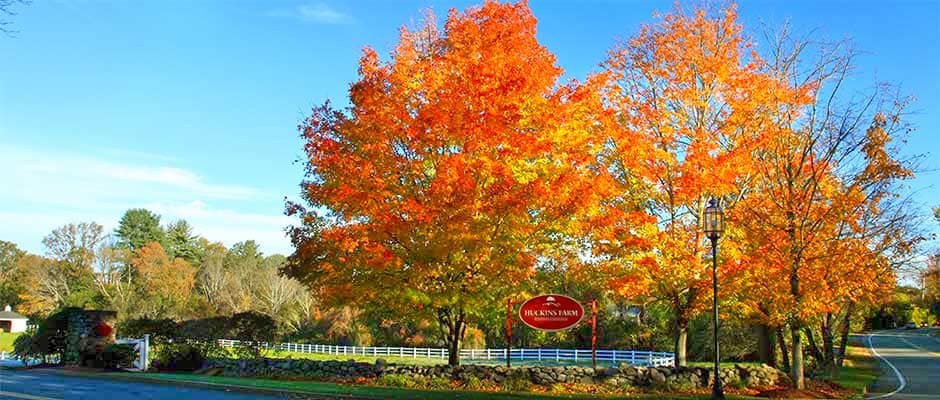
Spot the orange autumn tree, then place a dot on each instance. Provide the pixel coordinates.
(166, 283)
(692, 104)
(459, 162)
(823, 226)
(826, 228)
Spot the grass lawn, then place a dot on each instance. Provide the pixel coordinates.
(860, 368)
(334, 389)
(724, 364)
(6, 341)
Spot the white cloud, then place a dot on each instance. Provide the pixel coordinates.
(320, 13)
(29, 164)
(41, 190)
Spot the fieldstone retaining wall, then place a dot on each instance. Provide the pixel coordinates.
(82, 339)
(742, 375)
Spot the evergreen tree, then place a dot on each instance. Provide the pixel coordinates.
(138, 227)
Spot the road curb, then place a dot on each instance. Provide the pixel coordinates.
(116, 376)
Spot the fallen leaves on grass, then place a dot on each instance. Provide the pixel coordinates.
(813, 390)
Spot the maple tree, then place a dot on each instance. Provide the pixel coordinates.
(822, 226)
(691, 106)
(459, 163)
(166, 283)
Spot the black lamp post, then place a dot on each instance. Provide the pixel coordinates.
(714, 227)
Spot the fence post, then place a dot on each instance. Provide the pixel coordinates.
(145, 353)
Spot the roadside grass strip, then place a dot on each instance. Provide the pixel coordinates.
(379, 392)
(859, 369)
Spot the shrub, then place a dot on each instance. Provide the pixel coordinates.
(205, 329)
(25, 345)
(621, 388)
(413, 382)
(118, 356)
(517, 381)
(160, 330)
(252, 330)
(474, 383)
(438, 383)
(180, 357)
(48, 338)
(396, 380)
(735, 383)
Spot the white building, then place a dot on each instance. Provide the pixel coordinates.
(11, 321)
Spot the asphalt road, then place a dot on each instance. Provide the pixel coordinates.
(49, 385)
(910, 363)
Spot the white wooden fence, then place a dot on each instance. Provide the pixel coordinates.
(10, 359)
(413, 352)
(612, 357)
(142, 347)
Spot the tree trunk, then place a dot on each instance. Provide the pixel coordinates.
(828, 346)
(455, 324)
(796, 257)
(796, 356)
(813, 347)
(784, 353)
(682, 338)
(453, 344)
(846, 324)
(765, 345)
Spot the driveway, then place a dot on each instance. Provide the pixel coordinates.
(910, 363)
(53, 385)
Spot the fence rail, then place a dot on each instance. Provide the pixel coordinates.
(613, 357)
(11, 359)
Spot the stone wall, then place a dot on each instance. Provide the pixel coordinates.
(742, 375)
(82, 338)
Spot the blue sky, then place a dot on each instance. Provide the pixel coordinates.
(189, 108)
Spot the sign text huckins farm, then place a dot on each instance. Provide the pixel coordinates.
(552, 312)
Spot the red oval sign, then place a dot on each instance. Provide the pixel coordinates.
(551, 312)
